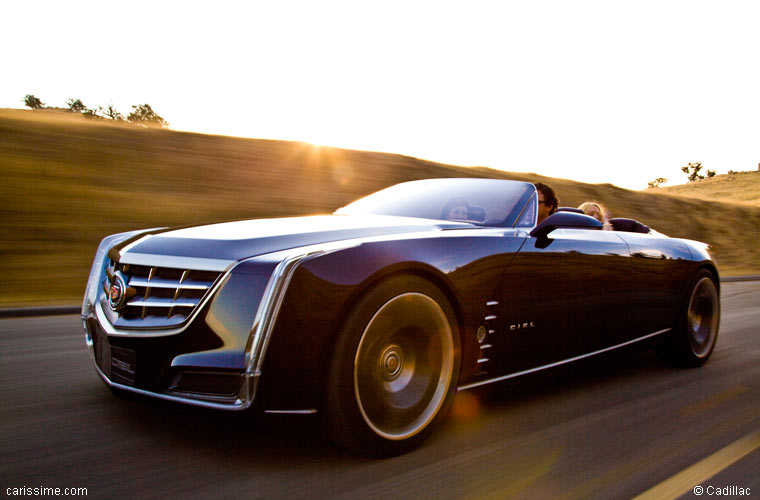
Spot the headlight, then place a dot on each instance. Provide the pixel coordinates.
(98, 266)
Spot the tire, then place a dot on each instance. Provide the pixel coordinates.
(693, 339)
(394, 371)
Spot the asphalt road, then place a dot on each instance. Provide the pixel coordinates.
(614, 427)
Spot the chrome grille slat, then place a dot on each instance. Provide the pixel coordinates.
(162, 295)
(178, 291)
(151, 274)
(163, 283)
(158, 302)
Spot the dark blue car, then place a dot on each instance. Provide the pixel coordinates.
(375, 315)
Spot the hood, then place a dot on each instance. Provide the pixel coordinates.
(233, 241)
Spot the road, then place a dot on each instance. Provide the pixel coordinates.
(613, 427)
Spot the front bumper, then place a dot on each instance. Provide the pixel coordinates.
(143, 366)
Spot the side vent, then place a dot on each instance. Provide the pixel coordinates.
(485, 332)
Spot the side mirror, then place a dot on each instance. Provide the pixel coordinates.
(565, 220)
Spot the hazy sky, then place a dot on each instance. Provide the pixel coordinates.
(596, 91)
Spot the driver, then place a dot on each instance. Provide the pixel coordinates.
(547, 201)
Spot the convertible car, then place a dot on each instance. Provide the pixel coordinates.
(376, 315)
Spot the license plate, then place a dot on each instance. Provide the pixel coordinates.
(122, 365)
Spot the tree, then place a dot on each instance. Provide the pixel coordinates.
(76, 105)
(33, 102)
(144, 115)
(91, 113)
(710, 174)
(111, 112)
(656, 183)
(692, 170)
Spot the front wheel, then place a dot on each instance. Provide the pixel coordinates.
(395, 367)
(693, 340)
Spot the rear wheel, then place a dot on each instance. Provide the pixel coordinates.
(395, 367)
(696, 332)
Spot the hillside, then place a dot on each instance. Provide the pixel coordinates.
(738, 187)
(67, 182)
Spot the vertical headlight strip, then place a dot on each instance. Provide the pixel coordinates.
(97, 275)
(266, 315)
(269, 308)
(98, 268)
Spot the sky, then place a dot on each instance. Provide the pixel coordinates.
(594, 91)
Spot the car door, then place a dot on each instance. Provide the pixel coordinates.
(563, 296)
(661, 273)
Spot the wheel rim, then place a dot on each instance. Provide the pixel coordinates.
(403, 366)
(703, 315)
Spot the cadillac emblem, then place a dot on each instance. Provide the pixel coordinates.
(117, 292)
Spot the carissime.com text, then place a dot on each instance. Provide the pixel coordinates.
(38, 491)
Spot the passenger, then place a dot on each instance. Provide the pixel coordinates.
(456, 209)
(547, 201)
(598, 212)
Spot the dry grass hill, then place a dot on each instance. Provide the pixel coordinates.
(737, 187)
(67, 182)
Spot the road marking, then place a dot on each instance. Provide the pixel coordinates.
(703, 470)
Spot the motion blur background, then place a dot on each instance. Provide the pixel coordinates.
(591, 90)
(609, 95)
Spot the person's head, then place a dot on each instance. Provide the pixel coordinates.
(594, 209)
(547, 201)
(455, 209)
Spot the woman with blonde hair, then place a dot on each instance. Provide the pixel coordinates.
(598, 212)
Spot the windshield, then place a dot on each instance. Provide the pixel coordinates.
(487, 202)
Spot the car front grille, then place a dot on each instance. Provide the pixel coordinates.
(162, 296)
